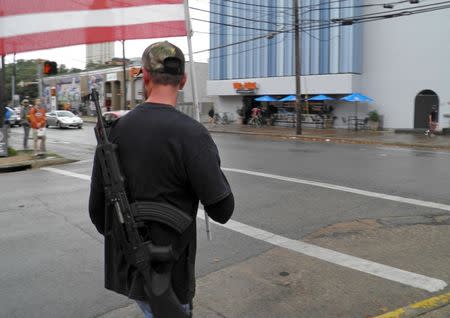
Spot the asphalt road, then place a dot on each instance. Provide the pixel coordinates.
(389, 206)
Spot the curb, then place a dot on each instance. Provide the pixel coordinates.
(419, 308)
(34, 164)
(315, 138)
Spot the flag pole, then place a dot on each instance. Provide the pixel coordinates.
(192, 73)
(124, 70)
(194, 86)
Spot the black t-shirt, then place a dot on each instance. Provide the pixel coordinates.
(166, 157)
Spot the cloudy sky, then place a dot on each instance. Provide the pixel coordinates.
(75, 56)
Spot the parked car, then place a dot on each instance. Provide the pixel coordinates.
(64, 119)
(112, 116)
(14, 119)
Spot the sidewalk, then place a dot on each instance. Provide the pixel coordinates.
(388, 138)
(340, 135)
(281, 282)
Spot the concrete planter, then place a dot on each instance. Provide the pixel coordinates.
(373, 125)
(328, 123)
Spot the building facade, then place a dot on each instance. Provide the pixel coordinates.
(99, 53)
(72, 90)
(399, 62)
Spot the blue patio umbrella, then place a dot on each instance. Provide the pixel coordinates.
(356, 98)
(320, 98)
(290, 98)
(266, 99)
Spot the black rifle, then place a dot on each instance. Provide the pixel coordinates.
(140, 253)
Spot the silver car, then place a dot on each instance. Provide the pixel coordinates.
(64, 119)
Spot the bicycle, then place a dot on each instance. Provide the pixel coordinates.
(221, 119)
(256, 121)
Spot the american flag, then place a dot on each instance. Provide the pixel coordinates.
(29, 25)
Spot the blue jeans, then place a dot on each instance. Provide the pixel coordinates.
(145, 307)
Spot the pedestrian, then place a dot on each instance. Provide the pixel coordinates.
(432, 122)
(37, 121)
(168, 158)
(211, 115)
(25, 121)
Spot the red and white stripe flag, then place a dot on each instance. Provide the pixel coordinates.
(29, 25)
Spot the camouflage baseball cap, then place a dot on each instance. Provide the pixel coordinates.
(163, 57)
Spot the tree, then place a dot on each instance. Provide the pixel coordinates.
(26, 71)
(64, 70)
(95, 66)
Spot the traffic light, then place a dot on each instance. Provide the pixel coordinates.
(50, 68)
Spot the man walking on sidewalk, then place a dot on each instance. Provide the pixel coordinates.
(166, 158)
(25, 121)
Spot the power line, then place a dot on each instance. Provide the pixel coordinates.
(394, 11)
(332, 24)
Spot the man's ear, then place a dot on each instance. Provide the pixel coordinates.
(146, 75)
(183, 81)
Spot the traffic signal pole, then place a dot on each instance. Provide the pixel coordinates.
(40, 80)
(298, 99)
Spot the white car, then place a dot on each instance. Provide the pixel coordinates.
(64, 119)
(14, 119)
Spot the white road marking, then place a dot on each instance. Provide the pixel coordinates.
(345, 260)
(428, 204)
(383, 271)
(82, 161)
(413, 150)
(68, 173)
(59, 142)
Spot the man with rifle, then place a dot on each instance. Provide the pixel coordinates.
(150, 172)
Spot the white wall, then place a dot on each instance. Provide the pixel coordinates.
(201, 72)
(402, 57)
(315, 84)
(227, 104)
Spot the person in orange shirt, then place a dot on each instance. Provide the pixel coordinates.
(37, 121)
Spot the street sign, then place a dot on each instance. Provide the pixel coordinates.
(3, 142)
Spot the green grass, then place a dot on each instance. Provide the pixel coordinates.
(12, 152)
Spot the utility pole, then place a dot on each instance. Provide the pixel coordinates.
(298, 99)
(124, 91)
(3, 131)
(2, 92)
(13, 82)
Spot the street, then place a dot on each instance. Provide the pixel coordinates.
(319, 230)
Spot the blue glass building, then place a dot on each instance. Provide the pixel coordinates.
(325, 49)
